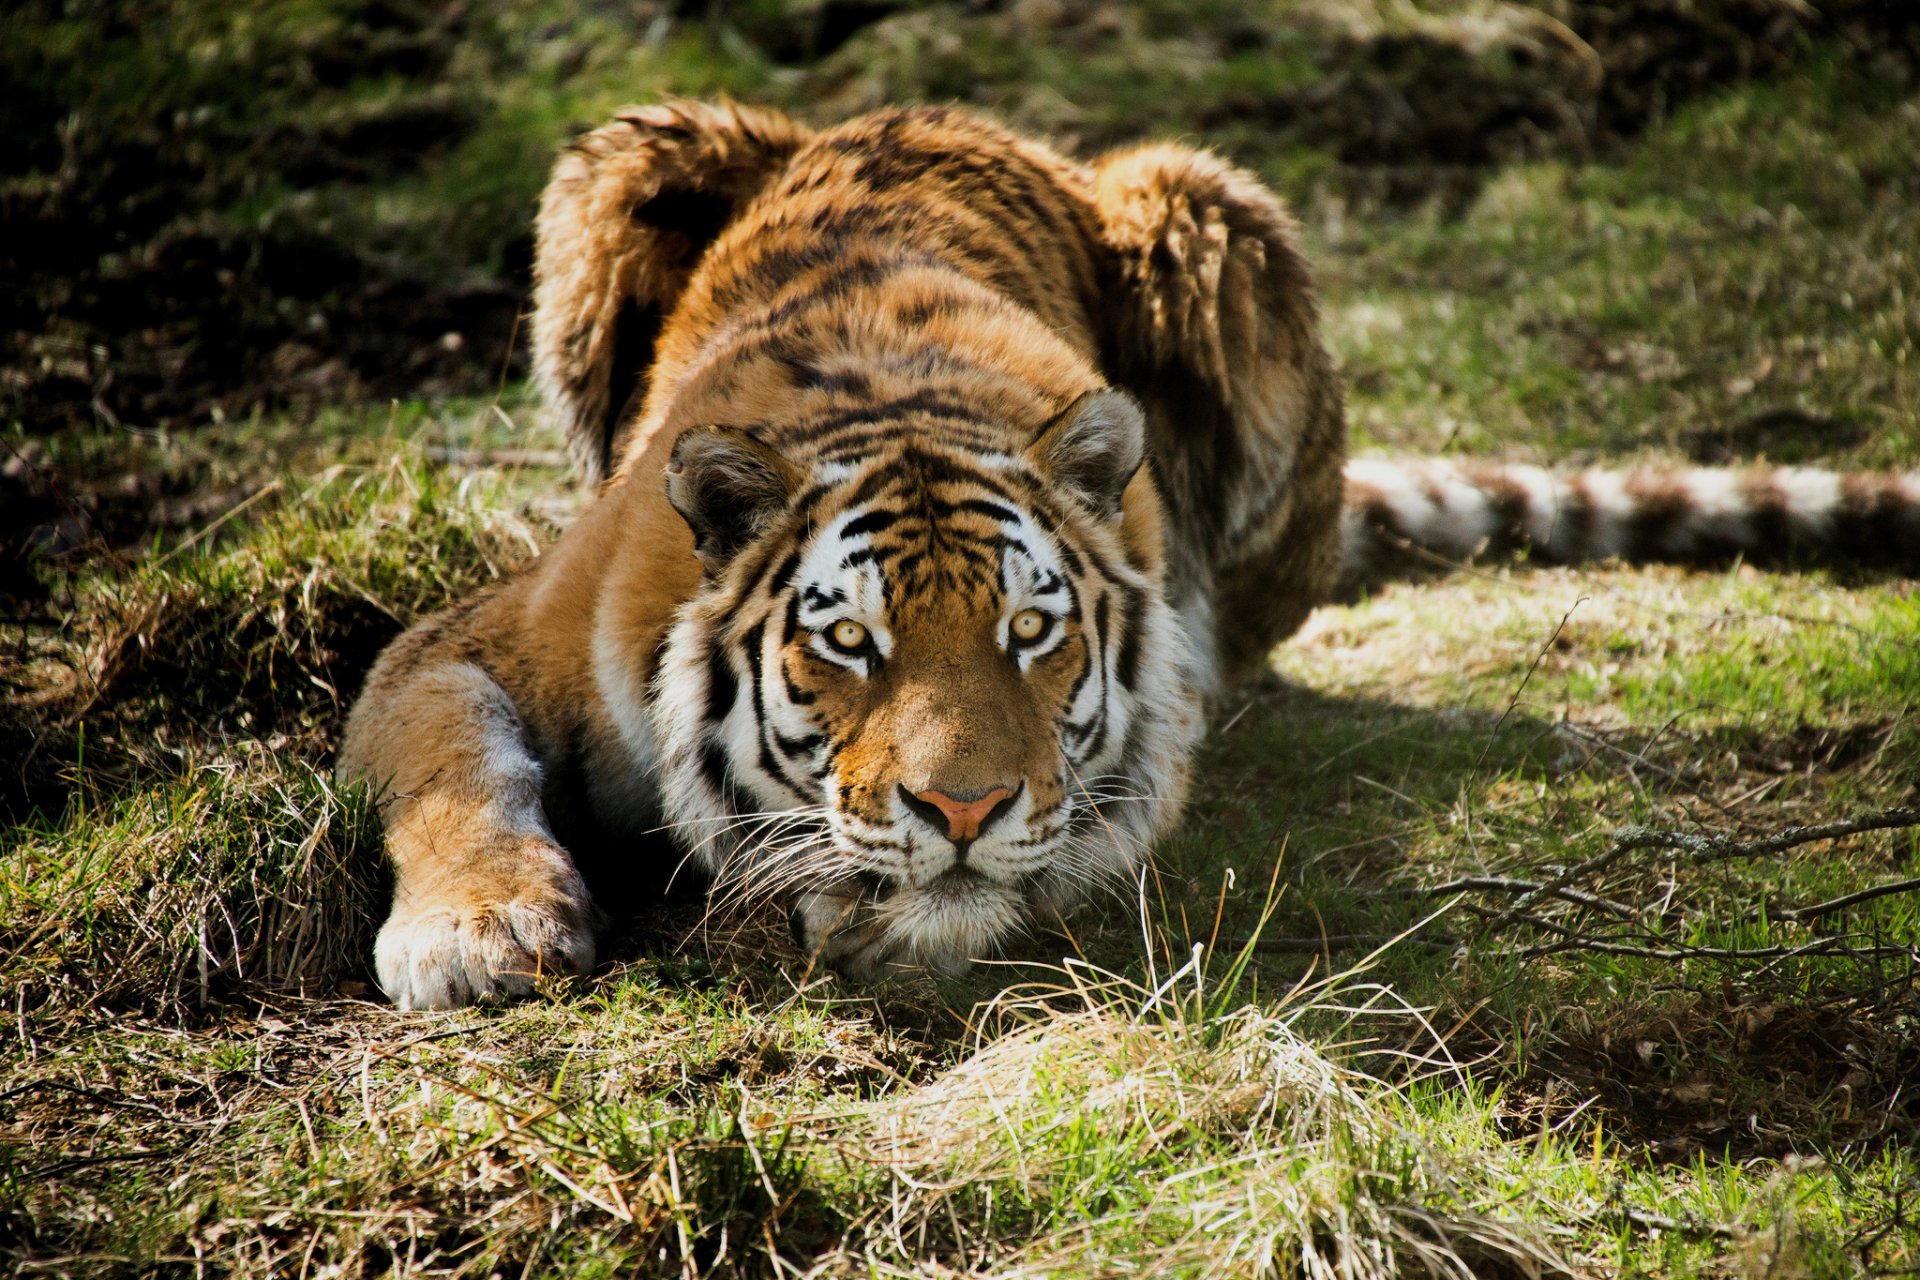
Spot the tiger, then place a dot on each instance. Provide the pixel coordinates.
(941, 484)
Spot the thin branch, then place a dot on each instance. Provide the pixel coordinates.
(1512, 884)
(1836, 946)
(1330, 942)
(1723, 848)
(1843, 902)
(1639, 938)
(1709, 848)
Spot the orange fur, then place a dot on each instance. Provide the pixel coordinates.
(903, 329)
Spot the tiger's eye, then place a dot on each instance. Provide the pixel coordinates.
(1028, 625)
(848, 635)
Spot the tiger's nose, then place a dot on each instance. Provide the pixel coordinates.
(961, 818)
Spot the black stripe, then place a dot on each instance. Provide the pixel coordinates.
(856, 442)
(762, 567)
(872, 522)
(718, 773)
(796, 747)
(752, 642)
(1099, 665)
(784, 574)
(976, 506)
(905, 565)
(1128, 663)
(1086, 669)
(795, 694)
(927, 400)
(819, 599)
(722, 687)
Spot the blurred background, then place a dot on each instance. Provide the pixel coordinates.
(215, 214)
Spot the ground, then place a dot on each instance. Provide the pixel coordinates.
(1398, 993)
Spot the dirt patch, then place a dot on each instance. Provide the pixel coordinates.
(1741, 1077)
(163, 263)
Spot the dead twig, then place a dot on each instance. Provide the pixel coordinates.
(1664, 949)
(1641, 932)
(1629, 840)
(1796, 914)
(1721, 848)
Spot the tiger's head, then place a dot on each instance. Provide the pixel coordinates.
(929, 693)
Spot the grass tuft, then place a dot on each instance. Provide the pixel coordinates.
(1175, 1131)
(246, 870)
(258, 630)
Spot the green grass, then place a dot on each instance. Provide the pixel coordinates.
(1757, 254)
(199, 1072)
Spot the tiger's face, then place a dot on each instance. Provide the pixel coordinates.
(923, 700)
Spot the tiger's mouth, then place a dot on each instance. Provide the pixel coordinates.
(953, 887)
(879, 924)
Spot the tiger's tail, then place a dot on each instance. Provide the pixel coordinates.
(1401, 514)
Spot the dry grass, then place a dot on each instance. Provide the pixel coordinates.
(257, 629)
(1112, 1129)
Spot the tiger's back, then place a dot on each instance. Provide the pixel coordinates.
(927, 255)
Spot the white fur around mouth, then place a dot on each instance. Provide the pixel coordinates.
(951, 922)
(945, 925)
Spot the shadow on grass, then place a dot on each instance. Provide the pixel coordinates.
(1345, 805)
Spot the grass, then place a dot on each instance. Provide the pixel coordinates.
(1673, 301)
(199, 1074)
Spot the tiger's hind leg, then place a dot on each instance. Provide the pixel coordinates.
(625, 218)
(1213, 325)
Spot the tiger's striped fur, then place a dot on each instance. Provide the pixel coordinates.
(915, 378)
(1401, 511)
(942, 483)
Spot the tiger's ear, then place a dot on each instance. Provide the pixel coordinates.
(727, 486)
(1094, 448)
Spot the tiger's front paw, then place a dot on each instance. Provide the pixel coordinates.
(440, 955)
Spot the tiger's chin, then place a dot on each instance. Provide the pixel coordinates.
(944, 925)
